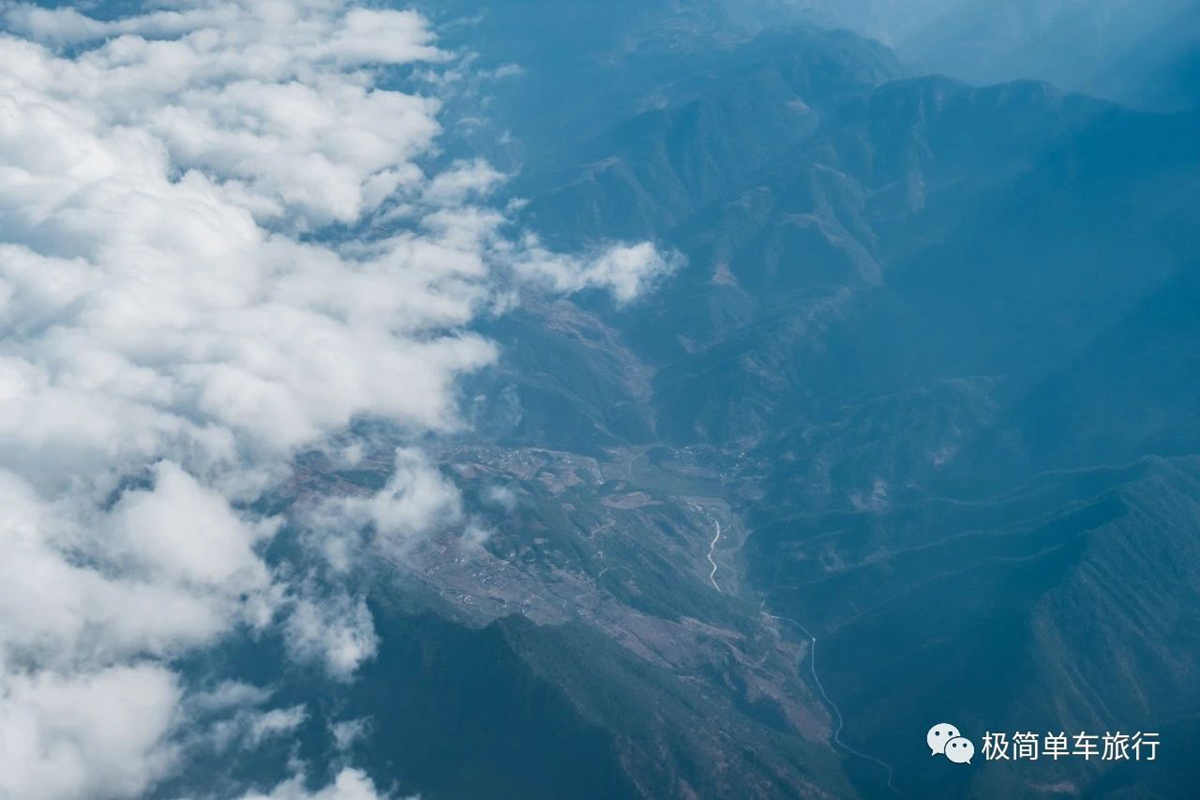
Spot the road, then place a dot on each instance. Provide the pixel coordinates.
(837, 712)
(712, 546)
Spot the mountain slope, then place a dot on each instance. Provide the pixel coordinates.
(923, 387)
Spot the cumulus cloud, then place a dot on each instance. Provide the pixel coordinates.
(462, 181)
(183, 308)
(627, 271)
(172, 334)
(350, 784)
(335, 632)
(99, 734)
(187, 533)
(416, 500)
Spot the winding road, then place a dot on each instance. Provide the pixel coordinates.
(837, 712)
(816, 677)
(712, 546)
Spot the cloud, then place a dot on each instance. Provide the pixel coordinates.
(185, 532)
(415, 501)
(335, 632)
(227, 695)
(627, 271)
(172, 333)
(220, 244)
(101, 734)
(346, 732)
(350, 784)
(462, 181)
(251, 727)
(503, 496)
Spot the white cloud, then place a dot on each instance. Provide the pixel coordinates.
(346, 732)
(228, 695)
(627, 271)
(416, 500)
(169, 340)
(250, 728)
(101, 734)
(350, 784)
(503, 496)
(172, 333)
(66, 601)
(462, 181)
(276, 722)
(185, 532)
(335, 631)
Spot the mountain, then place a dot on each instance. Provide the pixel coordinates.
(658, 168)
(1064, 604)
(1142, 54)
(923, 396)
(561, 71)
(942, 333)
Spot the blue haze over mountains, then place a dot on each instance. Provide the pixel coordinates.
(932, 364)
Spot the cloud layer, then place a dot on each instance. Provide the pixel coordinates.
(220, 243)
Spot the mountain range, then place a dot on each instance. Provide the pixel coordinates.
(924, 391)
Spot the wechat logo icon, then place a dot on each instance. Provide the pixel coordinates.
(945, 740)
